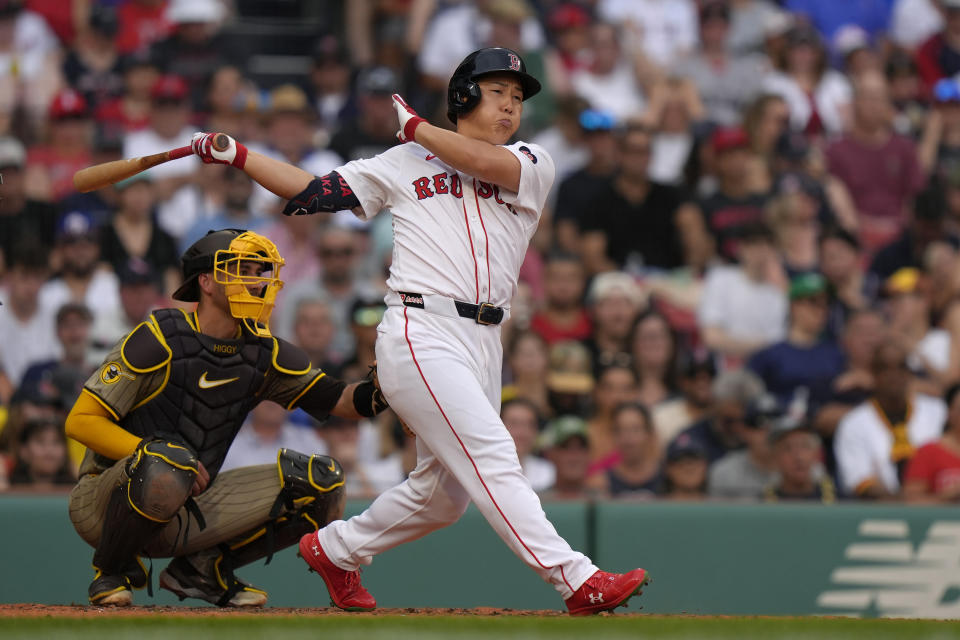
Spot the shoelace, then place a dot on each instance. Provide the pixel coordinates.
(352, 580)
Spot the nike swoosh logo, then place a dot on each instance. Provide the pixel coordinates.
(430, 156)
(210, 384)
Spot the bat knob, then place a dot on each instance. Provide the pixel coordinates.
(221, 142)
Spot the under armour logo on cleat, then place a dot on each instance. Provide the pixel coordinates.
(595, 597)
(316, 550)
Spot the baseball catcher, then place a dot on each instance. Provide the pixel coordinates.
(160, 413)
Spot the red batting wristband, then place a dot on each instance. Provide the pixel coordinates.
(240, 159)
(410, 128)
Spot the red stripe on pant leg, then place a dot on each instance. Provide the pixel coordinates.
(470, 458)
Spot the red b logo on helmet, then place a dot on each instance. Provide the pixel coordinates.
(514, 62)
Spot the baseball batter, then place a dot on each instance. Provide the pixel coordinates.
(465, 205)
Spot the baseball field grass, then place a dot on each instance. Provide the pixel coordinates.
(430, 627)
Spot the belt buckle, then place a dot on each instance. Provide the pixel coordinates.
(480, 309)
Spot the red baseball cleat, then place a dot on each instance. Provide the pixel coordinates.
(605, 591)
(345, 589)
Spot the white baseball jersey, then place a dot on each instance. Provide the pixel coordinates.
(455, 237)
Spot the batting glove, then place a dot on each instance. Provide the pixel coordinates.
(409, 120)
(235, 154)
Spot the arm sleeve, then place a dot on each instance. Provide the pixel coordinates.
(90, 423)
(372, 181)
(327, 193)
(537, 173)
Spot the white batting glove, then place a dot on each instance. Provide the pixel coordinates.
(234, 154)
(409, 120)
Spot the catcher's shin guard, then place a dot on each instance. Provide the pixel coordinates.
(160, 476)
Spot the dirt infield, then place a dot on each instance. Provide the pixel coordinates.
(86, 611)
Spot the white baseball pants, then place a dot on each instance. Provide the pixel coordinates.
(442, 377)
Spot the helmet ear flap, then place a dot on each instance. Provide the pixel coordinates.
(464, 96)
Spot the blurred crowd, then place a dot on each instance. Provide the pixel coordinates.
(745, 285)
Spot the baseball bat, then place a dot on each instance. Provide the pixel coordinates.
(107, 173)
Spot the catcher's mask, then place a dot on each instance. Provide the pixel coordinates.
(227, 253)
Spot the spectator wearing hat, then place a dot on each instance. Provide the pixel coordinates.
(748, 22)
(329, 90)
(578, 192)
(733, 392)
(743, 307)
(939, 147)
(133, 231)
(734, 204)
(82, 278)
(875, 441)
(612, 82)
(912, 22)
(566, 443)
(51, 165)
(939, 56)
(562, 315)
(365, 316)
(745, 473)
(879, 168)
(569, 26)
(849, 286)
(563, 139)
(614, 301)
(695, 375)
(685, 470)
(92, 65)
(22, 219)
(634, 224)
(29, 65)
(373, 130)
(726, 80)
(818, 97)
(854, 51)
(634, 471)
(141, 23)
(170, 111)
(522, 420)
(615, 386)
(933, 474)
(141, 290)
(27, 328)
(796, 453)
(801, 367)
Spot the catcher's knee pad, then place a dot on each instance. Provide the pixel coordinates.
(161, 476)
(311, 484)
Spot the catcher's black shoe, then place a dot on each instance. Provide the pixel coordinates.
(186, 581)
(115, 590)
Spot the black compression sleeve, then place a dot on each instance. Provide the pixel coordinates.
(327, 193)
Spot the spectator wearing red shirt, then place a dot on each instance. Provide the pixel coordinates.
(563, 316)
(50, 166)
(142, 22)
(880, 168)
(933, 474)
(939, 56)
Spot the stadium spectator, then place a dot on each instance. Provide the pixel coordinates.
(28, 331)
(913, 21)
(654, 355)
(527, 362)
(615, 386)
(577, 194)
(313, 330)
(765, 120)
(29, 66)
(801, 367)
(634, 224)
(66, 149)
(878, 167)
(793, 216)
(68, 373)
(849, 287)
(818, 97)
(41, 460)
(796, 453)
(726, 80)
(562, 315)
(81, 278)
(21, 217)
(236, 211)
(231, 103)
(563, 139)
(675, 110)
(265, 432)
(610, 83)
(329, 88)
(685, 470)
(854, 51)
(695, 372)
(614, 300)
(141, 290)
(635, 470)
(743, 307)
(365, 477)
(522, 420)
(745, 473)
(875, 441)
(364, 316)
(141, 23)
(93, 65)
(939, 147)
(733, 392)
(569, 30)
(906, 93)
(748, 20)
(373, 130)
(928, 225)
(662, 30)
(933, 474)
(570, 380)
(565, 442)
(939, 56)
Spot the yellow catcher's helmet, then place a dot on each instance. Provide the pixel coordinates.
(251, 295)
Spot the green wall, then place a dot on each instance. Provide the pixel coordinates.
(704, 558)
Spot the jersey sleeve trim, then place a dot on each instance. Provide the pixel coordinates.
(288, 354)
(102, 403)
(293, 402)
(163, 385)
(138, 344)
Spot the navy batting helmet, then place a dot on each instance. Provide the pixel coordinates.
(463, 94)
